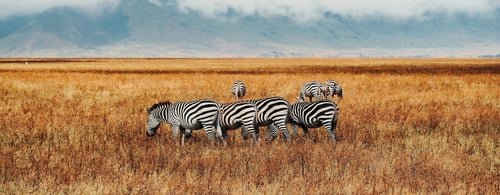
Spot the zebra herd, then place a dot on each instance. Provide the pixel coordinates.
(274, 112)
(319, 90)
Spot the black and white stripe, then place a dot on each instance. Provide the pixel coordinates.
(333, 88)
(272, 111)
(311, 89)
(314, 115)
(184, 116)
(239, 90)
(235, 115)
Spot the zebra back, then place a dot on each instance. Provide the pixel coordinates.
(272, 111)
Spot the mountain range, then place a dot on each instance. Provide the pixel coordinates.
(139, 28)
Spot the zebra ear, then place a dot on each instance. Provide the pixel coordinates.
(148, 110)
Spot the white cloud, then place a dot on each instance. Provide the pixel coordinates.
(156, 2)
(300, 10)
(29, 7)
(306, 10)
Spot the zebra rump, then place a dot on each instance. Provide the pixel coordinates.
(314, 115)
(238, 89)
(272, 111)
(235, 115)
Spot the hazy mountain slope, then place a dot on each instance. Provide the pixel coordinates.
(62, 29)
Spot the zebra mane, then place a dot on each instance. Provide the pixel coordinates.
(158, 105)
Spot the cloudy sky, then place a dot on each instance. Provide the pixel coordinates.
(30, 7)
(299, 10)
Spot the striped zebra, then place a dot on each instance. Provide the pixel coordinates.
(184, 116)
(239, 89)
(332, 88)
(272, 111)
(314, 115)
(235, 115)
(311, 89)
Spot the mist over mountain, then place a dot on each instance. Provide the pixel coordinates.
(156, 28)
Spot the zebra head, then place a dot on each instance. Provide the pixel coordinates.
(153, 125)
(155, 114)
(333, 88)
(339, 92)
(336, 90)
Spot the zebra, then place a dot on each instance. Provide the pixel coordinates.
(314, 115)
(239, 89)
(311, 89)
(331, 88)
(272, 111)
(234, 115)
(184, 116)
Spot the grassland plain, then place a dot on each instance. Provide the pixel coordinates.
(405, 126)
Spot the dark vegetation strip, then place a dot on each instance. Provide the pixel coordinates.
(48, 60)
(390, 69)
(64, 60)
(405, 69)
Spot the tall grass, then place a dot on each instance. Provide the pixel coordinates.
(79, 127)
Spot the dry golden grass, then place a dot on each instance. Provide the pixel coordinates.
(405, 126)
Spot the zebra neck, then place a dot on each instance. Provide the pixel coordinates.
(164, 114)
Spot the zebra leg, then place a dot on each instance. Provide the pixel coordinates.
(244, 133)
(333, 129)
(302, 97)
(317, 97)
(330, 126)
(175, 132)
(305, 130)
(187, 135)
(224, 137)
(284, 130)
(220, 135)
(256, 133)
(250, 130)
(272, 131)
(183, 135)
(253, 130)
(295, 131)
(209, 130)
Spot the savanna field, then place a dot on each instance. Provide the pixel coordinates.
(405, 126)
